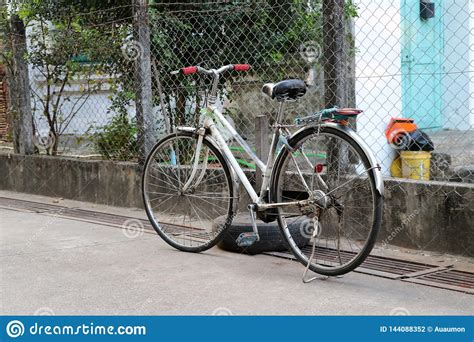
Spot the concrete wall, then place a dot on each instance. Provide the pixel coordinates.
(434, 216)
(105, 182)
(421, 215)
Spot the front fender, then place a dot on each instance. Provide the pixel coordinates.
(354, 136)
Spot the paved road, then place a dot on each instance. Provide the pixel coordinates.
(54, 265)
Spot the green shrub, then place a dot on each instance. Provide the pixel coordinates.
(117, 140)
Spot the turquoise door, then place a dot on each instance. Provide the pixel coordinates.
(421, 62)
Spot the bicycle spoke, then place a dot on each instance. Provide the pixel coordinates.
(346, 221)
(185, 218)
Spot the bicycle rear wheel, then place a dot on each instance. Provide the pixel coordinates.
(183, 196)
(344, 222)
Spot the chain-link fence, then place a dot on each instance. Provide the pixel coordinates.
(389, 61)
(101, 78)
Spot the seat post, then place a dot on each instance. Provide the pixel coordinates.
(280, 112)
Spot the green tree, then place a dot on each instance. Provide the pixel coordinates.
(265, 34)
(74, 52)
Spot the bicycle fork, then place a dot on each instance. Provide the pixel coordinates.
(194, 169)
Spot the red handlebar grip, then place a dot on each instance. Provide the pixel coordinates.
(241, 67)
(189, 70)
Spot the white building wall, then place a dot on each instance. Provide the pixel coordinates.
(378, 69)
(91, 111)
(471, 62)
(457, 54)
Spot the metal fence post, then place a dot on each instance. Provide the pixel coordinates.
(144, 98)
(261, 145)
(19, 94)
(334, 53)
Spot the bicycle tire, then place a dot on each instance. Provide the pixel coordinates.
(276, 196)
(152, 214)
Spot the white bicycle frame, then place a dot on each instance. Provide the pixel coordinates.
(223, 146)
(211, 111)
(216, 135)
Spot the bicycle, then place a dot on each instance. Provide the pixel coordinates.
(323, 177)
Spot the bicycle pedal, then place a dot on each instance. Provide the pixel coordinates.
(247, 239)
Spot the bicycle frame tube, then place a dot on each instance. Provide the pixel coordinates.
(222, 144)
(233, 162)
(236, 136)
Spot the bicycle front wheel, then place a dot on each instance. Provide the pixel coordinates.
(186, 186)
(343, 214)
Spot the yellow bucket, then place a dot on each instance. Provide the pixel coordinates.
(396, 167)
(416, 164)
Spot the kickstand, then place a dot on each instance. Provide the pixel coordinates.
(313, 249)
(304, 279)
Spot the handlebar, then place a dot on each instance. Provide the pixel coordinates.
(197, 69)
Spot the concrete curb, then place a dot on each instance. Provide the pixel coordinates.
(435, 216)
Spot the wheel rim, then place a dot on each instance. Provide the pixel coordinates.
(186, 219)
(341, 239)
